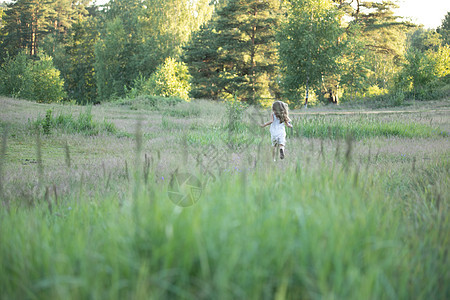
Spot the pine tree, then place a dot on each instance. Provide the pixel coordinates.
(236, 55)
(65, 13)
(247, 48)
(384, 38)
(201, 56)
(38, 14)
(29, 22)
(15, 32)
(77, 66)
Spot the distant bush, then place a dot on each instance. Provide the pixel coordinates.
(48, 86)
(39, 80)
(16, 77)
(171, 79)
(425, 75)
(234, 115)
(394, 98)
(375, 90)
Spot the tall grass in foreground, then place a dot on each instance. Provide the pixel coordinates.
(280, 233)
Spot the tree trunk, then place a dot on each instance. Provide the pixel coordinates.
(252, 58)
(307, 92)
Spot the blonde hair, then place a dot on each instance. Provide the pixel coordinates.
(281, 111)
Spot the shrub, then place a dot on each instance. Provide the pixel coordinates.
(37, 80)
(375, 90)
(171, 79)
(83, 124)
(397, 98)
(16, 77)
(234, 115)
(424, 73)
(47, 83)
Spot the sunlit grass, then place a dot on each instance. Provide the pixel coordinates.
(359, 128)
(84, 123)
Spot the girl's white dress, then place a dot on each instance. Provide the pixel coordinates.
(277, 132)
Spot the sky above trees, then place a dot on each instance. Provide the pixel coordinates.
(430, 13)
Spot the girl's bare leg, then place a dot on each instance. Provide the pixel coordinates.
(274, 152)
(281, 151)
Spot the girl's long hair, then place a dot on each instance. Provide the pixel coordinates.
(281, 111)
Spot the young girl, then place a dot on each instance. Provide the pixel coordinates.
(280, 118)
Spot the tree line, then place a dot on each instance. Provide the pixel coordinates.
(251, 50)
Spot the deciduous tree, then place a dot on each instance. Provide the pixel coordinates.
(309, 45)
(444, 29)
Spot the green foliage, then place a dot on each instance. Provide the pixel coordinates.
(29, 22)
(384, 38)
(396, 98)
(230, 48)
(425, 72)
(374, 45)
(247, 49)
(84, 124)
(16, 77)
(47, 122)
(235, 55)
(76, 58)
(47, 83)
(444, 29)
(374, 90)
(308, 45)
(139, 38)
(441, 61)
(234, 115)
(169, 33)
(37, 80)
(424, 40)
(201, 56)
(171, 79)
(2, 13)
(111, 61)
(355, 68)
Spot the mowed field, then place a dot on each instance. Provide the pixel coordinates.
(168, 200)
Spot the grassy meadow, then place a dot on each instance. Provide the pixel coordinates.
(168, 200)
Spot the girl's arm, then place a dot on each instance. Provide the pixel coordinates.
(289, 122)
(268, 123)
